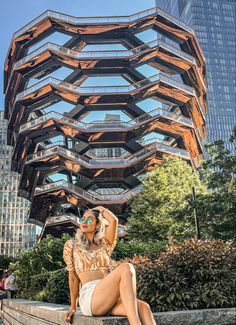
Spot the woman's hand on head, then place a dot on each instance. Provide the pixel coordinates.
(102, 211)
(100, 208)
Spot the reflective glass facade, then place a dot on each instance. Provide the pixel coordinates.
(214, 24)
(15, 233)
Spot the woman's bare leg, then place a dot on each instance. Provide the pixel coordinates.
(120, 283)
(144, 311)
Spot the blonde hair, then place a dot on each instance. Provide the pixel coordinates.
(81, 239)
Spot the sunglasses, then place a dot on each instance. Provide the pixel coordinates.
(87, 221)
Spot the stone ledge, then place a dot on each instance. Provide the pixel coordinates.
(20, 311)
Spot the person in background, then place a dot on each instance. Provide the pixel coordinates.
(10, 285)
(3, 294)
(3, 280)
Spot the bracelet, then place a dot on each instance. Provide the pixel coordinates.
(72, 309)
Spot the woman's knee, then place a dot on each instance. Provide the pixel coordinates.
(143, 306)
(127, 268)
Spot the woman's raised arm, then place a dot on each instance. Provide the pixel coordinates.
(112, 228)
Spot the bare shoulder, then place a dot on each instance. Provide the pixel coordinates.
(69, 244)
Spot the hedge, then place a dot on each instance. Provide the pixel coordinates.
(128, 249)
(50, 287)
(192, 275)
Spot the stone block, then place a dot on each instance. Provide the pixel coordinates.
(20, 311)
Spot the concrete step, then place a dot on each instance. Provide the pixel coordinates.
(20, 311)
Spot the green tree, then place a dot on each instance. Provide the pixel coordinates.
(157, 212)
(216, 208)
(43, 257)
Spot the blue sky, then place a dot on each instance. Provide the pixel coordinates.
(16, 13)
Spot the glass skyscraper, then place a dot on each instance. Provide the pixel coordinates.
(214, 25)
(15, 233)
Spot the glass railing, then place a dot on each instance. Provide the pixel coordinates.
(36, 52)
(35, 87)
(173, 150)
(152, 145)
(100, 20)
(85, 194)
(96, 125)
(107, 89)
(164, 146)
(48, 116)
(84, 160)
(92, 155)
(110, 190)
(164, 113)
(53, 144)
(104, 54)
(176, 21)
(199, 104)
(57, 150)
(152, 141)
(176, 84)
(62, 218)
(177, 51)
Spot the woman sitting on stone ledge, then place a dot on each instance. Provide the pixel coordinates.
(87, 258)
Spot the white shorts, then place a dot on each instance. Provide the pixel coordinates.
(85, 297)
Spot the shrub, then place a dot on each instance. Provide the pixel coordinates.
(37, 284)
(128, 249)
(42, 295)
(43, 257)
(58, 287)
(49, 287)
(192, 275)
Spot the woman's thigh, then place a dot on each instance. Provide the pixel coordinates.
(118, 309)
(106, 292)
